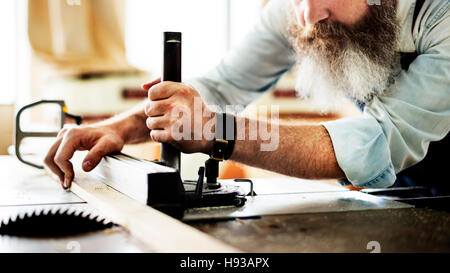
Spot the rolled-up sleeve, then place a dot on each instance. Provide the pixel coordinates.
(396, 129)
(362, 151)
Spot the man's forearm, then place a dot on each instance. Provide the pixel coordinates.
(304, 151)
(130, 125)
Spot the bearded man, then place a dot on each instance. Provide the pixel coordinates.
(391, 57)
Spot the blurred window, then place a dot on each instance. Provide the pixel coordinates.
(8, 53)
(14, 52)
(210, 29)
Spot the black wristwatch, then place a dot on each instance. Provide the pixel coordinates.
(224, 136)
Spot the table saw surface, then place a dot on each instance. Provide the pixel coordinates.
(288, 215)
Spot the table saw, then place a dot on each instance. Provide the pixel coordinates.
(300, 213)
(130, 205)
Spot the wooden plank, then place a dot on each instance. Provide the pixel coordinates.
(128, 175)
(159, 232)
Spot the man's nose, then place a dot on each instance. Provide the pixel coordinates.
(315, 11)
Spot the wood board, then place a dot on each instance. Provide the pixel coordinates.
(156, 230)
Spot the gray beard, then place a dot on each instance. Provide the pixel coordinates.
(336, 62)
(357, 77)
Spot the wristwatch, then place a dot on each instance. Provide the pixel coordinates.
(224, 137)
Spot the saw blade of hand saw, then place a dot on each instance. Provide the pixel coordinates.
(57, 220)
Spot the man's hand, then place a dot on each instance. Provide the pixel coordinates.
(177, 115)
(100, 141)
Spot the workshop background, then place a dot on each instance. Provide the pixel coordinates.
(95, 55)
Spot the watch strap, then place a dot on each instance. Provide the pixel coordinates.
(225, 133)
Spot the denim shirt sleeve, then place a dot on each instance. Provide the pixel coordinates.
(396, 129)
(255, 65)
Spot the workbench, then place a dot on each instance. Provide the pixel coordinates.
(394, 230)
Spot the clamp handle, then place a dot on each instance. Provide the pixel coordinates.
(20, 134)
(170, 155)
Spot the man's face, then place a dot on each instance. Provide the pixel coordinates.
(344, 48)
(347, 12)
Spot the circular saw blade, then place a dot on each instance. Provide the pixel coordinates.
(52, 221)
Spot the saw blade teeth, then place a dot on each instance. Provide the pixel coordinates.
(61, 211)
(11, 219)
(37, 213)
(21, 216)
(8, 224)
(97, 219)
(26, 214)
(85, 214)
(69, 212)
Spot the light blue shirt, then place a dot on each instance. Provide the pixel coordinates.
(396, 128)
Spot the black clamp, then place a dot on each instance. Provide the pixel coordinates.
(20, 134)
